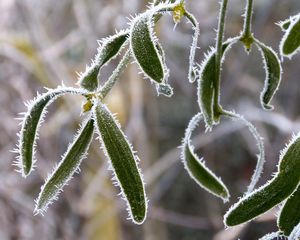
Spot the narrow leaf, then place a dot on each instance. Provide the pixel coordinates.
(272, 193)
(196, 168)
(273, 74)
(289, 216)
(108, 50)
(206, 81)
(123, 161)
(290, 42)
(144, 44)
(31, 123)
(64, 171)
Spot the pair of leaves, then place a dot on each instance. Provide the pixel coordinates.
(148, 52)
(207, 79)
(290, 43)
(114, 142)
(283, 184)
(109, 48)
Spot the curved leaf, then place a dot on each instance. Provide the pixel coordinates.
(109, 48)
(64, 171)
(196, 168)
(31, 123)
(206, 81)
(272, 193)
(143, 44)
(290, 42)
(123, 161)
(273, 74)
(289, 216)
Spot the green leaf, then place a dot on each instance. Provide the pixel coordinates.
(273, 74)
(196, 168)
(31, 123)
(143, 46)
(272, 193)
(124, 162)
(289, 216)
(64, 171)
(206, 81)
(290, 43)
(108, 50)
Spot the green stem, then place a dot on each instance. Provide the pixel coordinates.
(248, 19)
(247, 36)
(219, 42)
(115, 75)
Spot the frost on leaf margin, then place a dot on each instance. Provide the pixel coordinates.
(63, 172)
(280, 187)
(31, 122)
(273, 74)
(108, 50)
(196, 168)
(123, 161)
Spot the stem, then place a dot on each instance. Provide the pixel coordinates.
(219, 42)
(248, 19)
(115, 75)
(247, 36)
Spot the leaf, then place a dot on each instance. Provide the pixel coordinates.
(31, 123)
(272, 193)
(64, 171)
(143, 46)
(290, 43)
(206, 81)
(108, 50)
(196, 168)
(164, 89)
(273, 74)
(124, 163)
(289, 216)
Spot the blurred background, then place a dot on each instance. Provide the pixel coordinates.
(43, 43)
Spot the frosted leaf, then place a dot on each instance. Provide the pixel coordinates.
(207, 78)
(64, 171)
(290, 43)
(164, 89)
(280, 187)
(31, 123)
(108, 50)
(196, 168)
(123, 161)
(289, 215)
(273, 74)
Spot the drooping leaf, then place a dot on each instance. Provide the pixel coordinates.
(289, 216)
(123, 161)
(206, 81)
(108, 50)
(196, 168)
(144, 44)
(290, 43)
(30, 126)
(273, 74)
(272, 193)
(64, 171)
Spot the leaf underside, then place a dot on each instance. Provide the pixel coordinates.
(273, 74)
(275, 191)
(123, 161)
(66, 168)
(196, 167)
